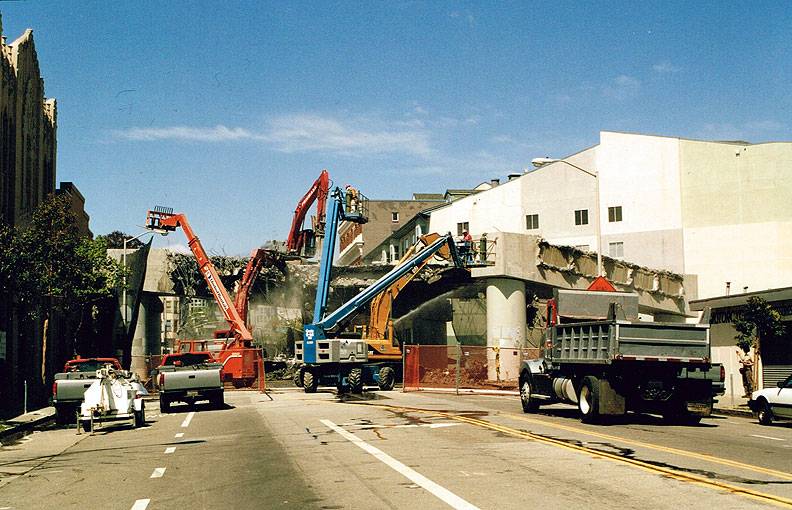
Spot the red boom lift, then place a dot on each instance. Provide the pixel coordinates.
(240, 360)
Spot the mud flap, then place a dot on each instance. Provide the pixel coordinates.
(610, 401)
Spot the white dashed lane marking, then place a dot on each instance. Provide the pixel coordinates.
(180, 434)
(158, 473)
(417, 478)
(768, 437)
(186, 422)
(170, 449)
(141, 504)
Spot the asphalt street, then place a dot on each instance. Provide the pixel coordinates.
(397, 450)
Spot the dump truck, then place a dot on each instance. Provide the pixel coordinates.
(599, 356)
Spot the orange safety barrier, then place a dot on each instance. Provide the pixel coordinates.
(451, 367)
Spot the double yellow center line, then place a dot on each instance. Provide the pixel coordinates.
(671, 473)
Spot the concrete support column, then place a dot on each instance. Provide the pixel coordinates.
(147, 339)
(506, 316)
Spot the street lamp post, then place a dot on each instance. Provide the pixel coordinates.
(538, 162)
(124, 263)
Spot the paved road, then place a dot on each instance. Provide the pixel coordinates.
(395, 450)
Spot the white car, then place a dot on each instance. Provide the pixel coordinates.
(773, 403)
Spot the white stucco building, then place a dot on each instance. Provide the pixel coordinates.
(719, 210)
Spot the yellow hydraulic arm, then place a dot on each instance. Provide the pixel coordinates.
(380, 328)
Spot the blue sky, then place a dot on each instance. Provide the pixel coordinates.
(227, 111)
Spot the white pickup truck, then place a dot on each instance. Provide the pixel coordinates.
(69, 387)
(189, 377)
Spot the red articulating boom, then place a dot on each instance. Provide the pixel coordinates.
(239, 360)
(318, 192)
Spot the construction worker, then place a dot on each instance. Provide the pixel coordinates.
(351, 198)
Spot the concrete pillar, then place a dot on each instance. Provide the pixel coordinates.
(147, 339)
(506, 316)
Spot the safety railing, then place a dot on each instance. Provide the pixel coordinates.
(463, 368)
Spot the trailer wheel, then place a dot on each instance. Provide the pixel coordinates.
(309, 382)
(387, 378)
(140, 417)
(298, 378)
(764, 414)
(164, 404)
(588, 399)
(529, 402)
(86, 426)
(355, 379)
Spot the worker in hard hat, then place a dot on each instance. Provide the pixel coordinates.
(351, 198)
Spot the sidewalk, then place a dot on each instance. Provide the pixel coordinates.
(14, 427)
(733, 406)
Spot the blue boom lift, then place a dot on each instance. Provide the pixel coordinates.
(326, 356)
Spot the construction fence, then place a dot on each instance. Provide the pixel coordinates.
(463, 368)
(243, 369)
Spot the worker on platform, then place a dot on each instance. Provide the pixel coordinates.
(351, 198)
(466, 247)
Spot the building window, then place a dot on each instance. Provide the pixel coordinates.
(462, 227)
(616, 250)
(531, 221)
(581, 217)
(395, 217)
(614, 214)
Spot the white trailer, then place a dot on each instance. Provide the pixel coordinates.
(115, 395)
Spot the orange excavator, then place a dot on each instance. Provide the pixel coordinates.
(240, 360)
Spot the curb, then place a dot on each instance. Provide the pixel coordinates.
(746, 413)
(19, 429)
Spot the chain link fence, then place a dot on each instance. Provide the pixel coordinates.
(463, 368)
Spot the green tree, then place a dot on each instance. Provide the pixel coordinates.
(759, 322)
(115, 240)
(50, 266)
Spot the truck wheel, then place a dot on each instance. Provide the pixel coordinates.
(140, 417)
(63, 416)
(764, 414)
(387, 378)
(309, 382)
(164, 404)
(529, 402)
(218, 401)
(588, 399)
(355, 379)
(298, 378)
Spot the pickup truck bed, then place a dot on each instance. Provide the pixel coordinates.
(189, 382)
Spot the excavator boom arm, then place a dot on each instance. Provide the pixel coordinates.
(318, 193)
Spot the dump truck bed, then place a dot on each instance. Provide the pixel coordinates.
(603, 342)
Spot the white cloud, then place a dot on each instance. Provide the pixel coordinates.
(310, 133)
(665, 67)
(218, 133)
(626, 81)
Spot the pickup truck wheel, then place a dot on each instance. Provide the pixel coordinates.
(355, 379)
(164, 404)
(588, 399)
(63, 416)
(764, 414)
(309, 382)
(218, 401)
(387, 379)
(140, 417)
(529, 403)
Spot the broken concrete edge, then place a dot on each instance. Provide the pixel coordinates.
(21, 425)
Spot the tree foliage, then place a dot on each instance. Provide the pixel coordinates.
(188, 281)
(115, 240)
(50, 263)
(759, 321)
